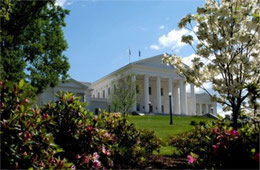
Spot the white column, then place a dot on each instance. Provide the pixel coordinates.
(176, 102)
(200, 109)
(193, 100)
(215, 108)
(170, 89)
(146, 93)
(207, 108)
(134, 89)
(158, 94)
(183, 97)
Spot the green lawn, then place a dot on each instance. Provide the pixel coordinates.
(162, 128)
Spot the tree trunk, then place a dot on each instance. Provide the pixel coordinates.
(235, 113)
(255, 108)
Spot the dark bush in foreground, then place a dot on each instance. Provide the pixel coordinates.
(64, 135)
(219, 146)
(25, 142)
(107, 140)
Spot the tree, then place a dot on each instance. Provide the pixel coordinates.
(32, 43)
(123, 96)
(227, 49)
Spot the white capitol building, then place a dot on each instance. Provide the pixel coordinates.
(157, 81)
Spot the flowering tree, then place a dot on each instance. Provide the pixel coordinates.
(227, 50)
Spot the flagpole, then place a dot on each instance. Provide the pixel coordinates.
(129, 52)
(139, 52)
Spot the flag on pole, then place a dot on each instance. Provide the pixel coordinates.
(129, 51)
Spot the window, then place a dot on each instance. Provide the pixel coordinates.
(162, 109)
(108, 90)
(150, 90)
(98, 95)
(96, 111)
(161, 91)
(138, 107)
(137, 89)
(104, 94)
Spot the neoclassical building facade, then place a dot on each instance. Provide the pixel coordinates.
(155, 80)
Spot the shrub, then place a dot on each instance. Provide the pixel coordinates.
(107, 140)
(64, 130)
(76, 131)
(193, 123)
(134, 146)
(25, 142)
(219, 146)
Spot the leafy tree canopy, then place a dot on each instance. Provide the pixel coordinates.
(32, 42)
(227, 49)
(123, 95)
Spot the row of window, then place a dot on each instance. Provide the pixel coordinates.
(137, 91)
(150, 108)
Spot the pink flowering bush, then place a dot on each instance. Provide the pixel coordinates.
(192, 158)
(64, 135)
(25, 142)
(217, 145)
(134, 146)
(77, 132)
(104, 141)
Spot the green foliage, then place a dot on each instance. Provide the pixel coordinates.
(25, 142)
(217, 145)
(32, 43)
(86, 145)
(123, 95)
(63, 131)
(107, 140)
(133, 146)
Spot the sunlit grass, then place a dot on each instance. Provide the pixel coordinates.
(163, 129)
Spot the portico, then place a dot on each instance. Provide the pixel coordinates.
(155, 90)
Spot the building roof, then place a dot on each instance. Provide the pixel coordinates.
(139, 62)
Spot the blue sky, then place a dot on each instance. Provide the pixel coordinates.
(99, 33)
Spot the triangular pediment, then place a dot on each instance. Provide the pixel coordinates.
(71, 83)
(155, 61)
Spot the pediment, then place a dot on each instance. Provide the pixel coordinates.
(71, 83)
(155, 62)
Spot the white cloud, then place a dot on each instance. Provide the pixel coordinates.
(161, 27)
(187, 60)
(60, 3)
(154, 47)
(172, 39)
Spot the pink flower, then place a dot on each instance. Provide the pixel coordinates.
(215, 130)
(114, 139)
(77, 156)
(96, 164)
(89, 129)
(257, 157)
(87, 159)
(192, 159)
(106, 152)
(95, 156)
(219, 137)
